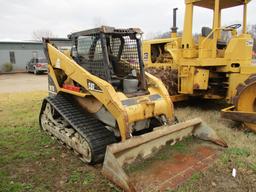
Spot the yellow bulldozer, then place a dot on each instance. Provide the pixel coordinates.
(216, 65)
(104, 106)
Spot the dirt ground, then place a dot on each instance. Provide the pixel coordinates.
(22, 82)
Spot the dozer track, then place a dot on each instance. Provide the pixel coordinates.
(73, 127)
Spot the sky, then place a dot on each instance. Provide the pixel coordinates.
(20, 18)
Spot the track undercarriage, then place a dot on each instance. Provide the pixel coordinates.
(88, 144)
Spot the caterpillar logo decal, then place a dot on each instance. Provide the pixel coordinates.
(93, 87)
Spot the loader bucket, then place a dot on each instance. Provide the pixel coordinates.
(144, 146)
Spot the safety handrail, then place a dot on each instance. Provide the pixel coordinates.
(209, 35)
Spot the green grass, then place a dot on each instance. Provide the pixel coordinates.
(19, 127)
(189, 184)
(84, 178)
(7, 185)
(30, 160)
(238, 158)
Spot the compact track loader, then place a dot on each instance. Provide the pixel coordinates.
(105, 107)
(216, 65)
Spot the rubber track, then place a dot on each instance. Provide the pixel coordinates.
(86, 125)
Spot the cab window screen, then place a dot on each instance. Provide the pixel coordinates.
(90, 55)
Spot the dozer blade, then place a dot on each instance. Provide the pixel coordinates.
(248, 118)
(122, 154)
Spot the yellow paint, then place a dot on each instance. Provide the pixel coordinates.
(231, 64)
(247, 102)
(201, 77)
(111, 99)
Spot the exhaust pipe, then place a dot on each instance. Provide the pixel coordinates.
(174, 25)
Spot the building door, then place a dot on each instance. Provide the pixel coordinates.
(12, 57)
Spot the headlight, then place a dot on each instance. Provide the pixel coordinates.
(138, 35)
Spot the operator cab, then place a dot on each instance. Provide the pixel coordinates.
(113, 55)
(221, 42)
(211, 42)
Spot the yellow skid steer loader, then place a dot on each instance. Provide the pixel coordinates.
(104, 106)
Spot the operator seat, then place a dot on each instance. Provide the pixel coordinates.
(220, 43)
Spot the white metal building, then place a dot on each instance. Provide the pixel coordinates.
(19, 53)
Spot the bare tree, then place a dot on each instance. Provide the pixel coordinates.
(39, 34)
(158, 35)
(252, 31)
(162, 35)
